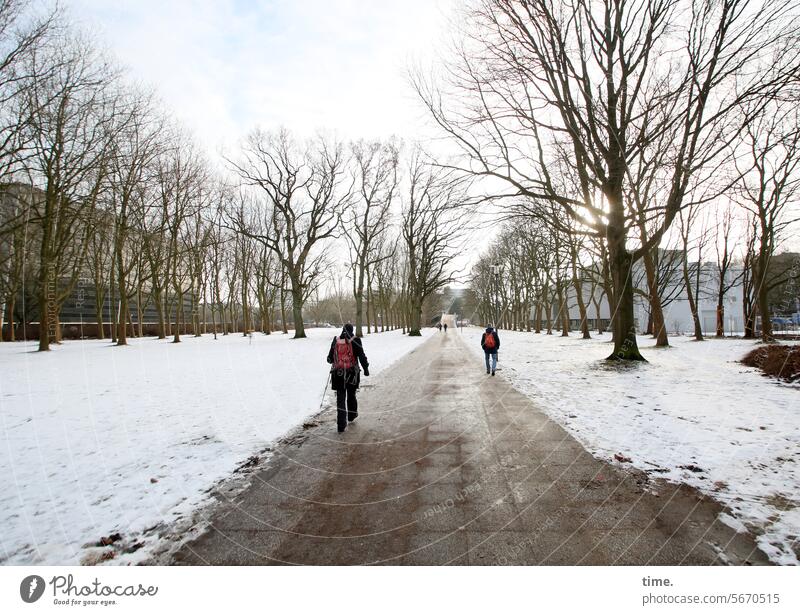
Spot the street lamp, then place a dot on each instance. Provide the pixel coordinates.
(496, 272)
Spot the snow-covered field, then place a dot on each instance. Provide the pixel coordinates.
(735, 432)
(99, 439)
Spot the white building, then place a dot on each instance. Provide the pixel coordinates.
(677, 315)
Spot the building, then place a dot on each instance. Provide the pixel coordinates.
(677, 314)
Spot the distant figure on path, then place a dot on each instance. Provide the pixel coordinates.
(445, 327)
(345, 354)
(439, 326)
(490, 342)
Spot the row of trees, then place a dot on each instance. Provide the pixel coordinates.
(98, 183)
(396, 214)
(536, 273)
(613, 127)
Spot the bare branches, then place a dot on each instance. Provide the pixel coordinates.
(299, 197)
(432, 223)
(615, 112)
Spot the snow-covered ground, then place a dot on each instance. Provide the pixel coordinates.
(99, 439)
(735, 432)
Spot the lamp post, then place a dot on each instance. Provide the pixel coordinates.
(496, 271)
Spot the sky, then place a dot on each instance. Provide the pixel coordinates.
(225, 66)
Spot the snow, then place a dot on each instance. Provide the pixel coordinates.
(691, 405)
(87, 426)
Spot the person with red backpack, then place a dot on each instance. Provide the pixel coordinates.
(490, 342)
(345, 354)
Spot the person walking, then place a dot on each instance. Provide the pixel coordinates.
(490, 342)
(346, 352)
(445, 327)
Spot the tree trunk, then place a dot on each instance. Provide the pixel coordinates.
(748, 309)
(98, 311)
(763, 310)
(608, 286)
(600, 328)
(214, 320)
(698, 329)
(139, 312)
(12, 302)
(620, 262)
(159, 304)
(374, 309)
(359, 297)
(563, 312)
(760, 281)
(56, 319)
(297, 309)
(581, 306)
(283, 310)
(366, 311)
(415, 318)
(548, 314)
(45, 303)
(177, 335)
(656, 310)
(245, 316)
(122, 314)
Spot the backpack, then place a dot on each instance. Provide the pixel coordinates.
(488, 342)
(343, 356)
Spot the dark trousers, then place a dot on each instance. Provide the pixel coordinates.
(348, 411)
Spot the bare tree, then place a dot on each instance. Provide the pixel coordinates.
(218, 236)
(367, 219)
(693, 273)
(431, 228)
(609, 82)
(386, 278)
(726, 277)
(183, 189)
(153, 230)
(17, 240)
(23, 34)
(21, 39)
(769, 170)
(132, 168)
(99, 263)
(302, 196)
(70, 134)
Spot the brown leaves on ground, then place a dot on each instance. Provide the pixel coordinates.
(109, 540)
(776, 360)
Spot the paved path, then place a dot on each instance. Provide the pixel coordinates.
(446, 465)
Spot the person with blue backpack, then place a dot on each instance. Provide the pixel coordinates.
(346, 352)
(490, 342)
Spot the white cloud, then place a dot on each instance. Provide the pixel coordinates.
(224, 66)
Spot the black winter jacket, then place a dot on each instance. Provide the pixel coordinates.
(496, 341)
(342, 377)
